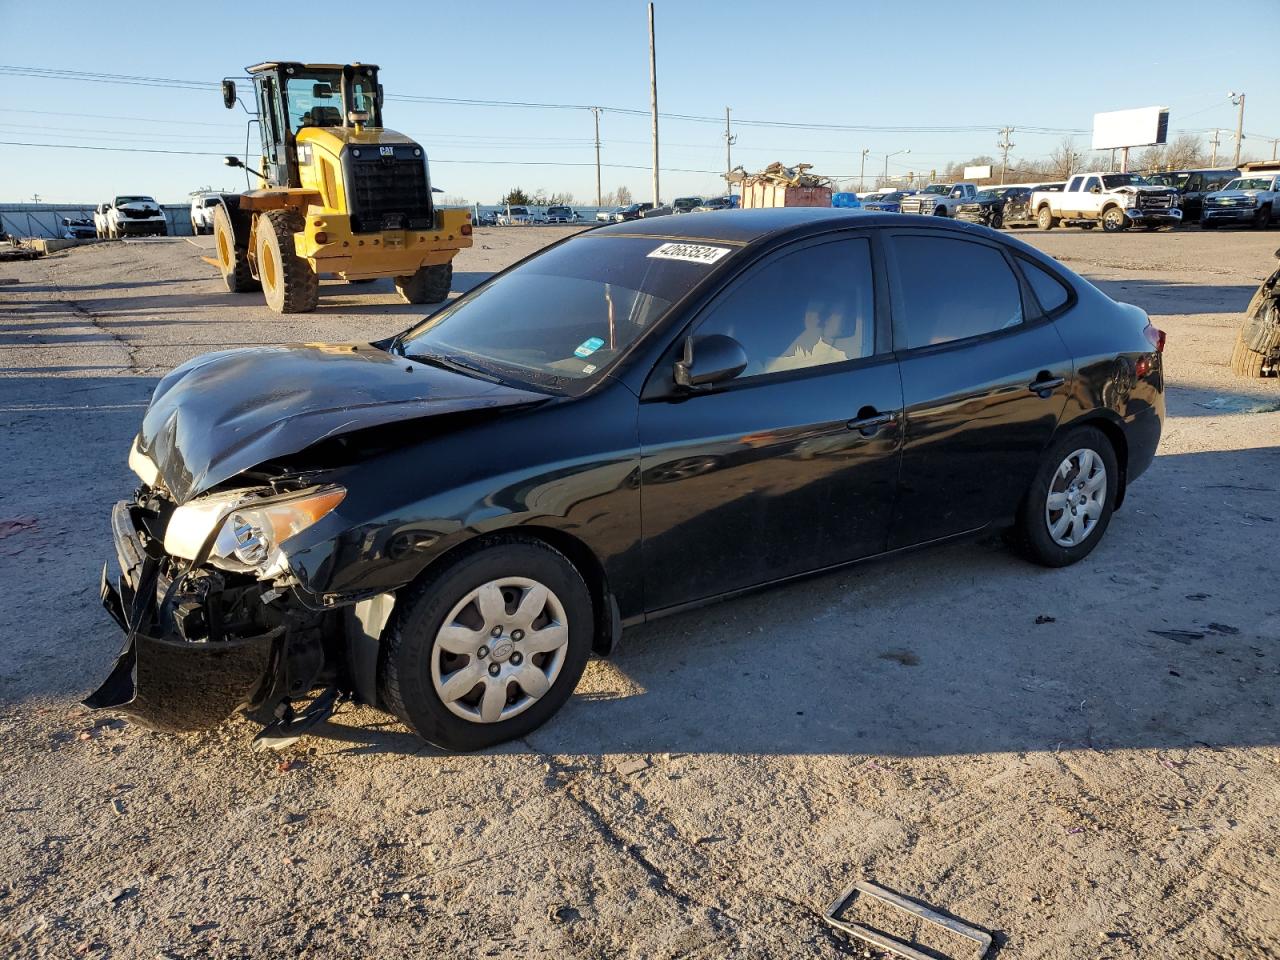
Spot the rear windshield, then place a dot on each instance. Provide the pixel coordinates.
(134, 200)
(559, 320)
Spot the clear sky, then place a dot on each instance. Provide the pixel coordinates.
(932, 71)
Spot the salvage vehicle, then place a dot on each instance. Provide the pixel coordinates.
(717, 203)
(1017, 211)
(561, 214)
(633, 421)
(1253, 200)
(202, 206)
(890, 202)
(1116, 200)
(515, 216)
(78, 228)
(130, 216)
(987, 207)
(939, 199)
(632, 211)
(1192, 187)
(608, 216)
(339, 193)
(1257, 349)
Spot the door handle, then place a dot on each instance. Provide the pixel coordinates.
(1045, 385)
(870, 425)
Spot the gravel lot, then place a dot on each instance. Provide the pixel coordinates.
(1015, 744)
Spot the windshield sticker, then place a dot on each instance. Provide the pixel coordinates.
(588, 347)
(693, 252)
(588, 368)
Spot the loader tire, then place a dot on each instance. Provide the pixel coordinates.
(233, 260)
(428, 285)
(289, 282)
(1245, 362)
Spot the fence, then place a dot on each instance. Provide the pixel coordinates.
(45, 219)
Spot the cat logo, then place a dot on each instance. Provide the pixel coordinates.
(387, 151)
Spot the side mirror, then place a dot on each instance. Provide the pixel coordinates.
(322, 91)
(708, 360)
(229, 94)
(379, 96)
(233, 161)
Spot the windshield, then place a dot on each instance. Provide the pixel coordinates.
(940, 188)
(134, 200)
(1113, 180)
(557, 210)
(315, 100)
(688, 201)
(1178, 180)
(1249, 183)
(559, 320)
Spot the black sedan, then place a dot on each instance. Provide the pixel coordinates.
(987, 208)
(635, 420)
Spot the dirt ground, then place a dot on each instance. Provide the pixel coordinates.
(1084, 761)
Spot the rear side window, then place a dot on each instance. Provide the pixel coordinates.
(954, 289)
(808, 308)
(1049, 290)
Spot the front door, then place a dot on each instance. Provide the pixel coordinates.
(985, 378)
(793, 465)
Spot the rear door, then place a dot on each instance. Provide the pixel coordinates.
(985, 377)
(793, 465)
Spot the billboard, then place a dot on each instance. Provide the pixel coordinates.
(978, 173)
(1130, 128)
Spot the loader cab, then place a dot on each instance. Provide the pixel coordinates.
(290, 96)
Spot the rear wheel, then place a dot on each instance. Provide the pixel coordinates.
(489, 647)
(427, 285)
(233, 260)
(1069, 505)
(1114, 220)
(1245, 362)
(1045, 219)
(288, 281)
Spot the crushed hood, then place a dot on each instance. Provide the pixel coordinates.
(222, 413)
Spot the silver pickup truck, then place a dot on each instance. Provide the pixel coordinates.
(1254, 200)
(939, 199)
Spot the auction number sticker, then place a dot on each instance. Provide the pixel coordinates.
(693, 252)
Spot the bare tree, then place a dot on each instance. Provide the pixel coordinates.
(453, 200)
(623, 196)
(1065, 159)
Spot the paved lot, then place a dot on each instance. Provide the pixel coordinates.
(1013, 743)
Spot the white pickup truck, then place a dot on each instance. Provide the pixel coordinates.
(1116, 200)
(1254, 200)
(939, 199)
(130, 216)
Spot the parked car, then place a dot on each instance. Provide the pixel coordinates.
(632, 211)
(485, 219)
(515, 216)
(1017, 211)
(130, 216)
(1116, 200)
(627, 423)
(987, 206)
(717, 203)
(1192, 186)
(78, 228)
(938, 199)
(1253, 200)
(846, 201)
(202, 207)
(608, 216)
(562, 214)
(890, 202)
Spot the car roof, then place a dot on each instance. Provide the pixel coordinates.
(746, 226)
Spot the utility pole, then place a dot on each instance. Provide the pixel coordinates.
(1238, 100)
(599, 195)
(729, 141)
(1274, 141)
(653, 103)
(1213, 162)
(862, 172)
(1005, 145)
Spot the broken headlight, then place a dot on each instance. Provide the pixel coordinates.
(249, 527)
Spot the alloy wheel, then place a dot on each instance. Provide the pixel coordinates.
(500, 649)
(1076, 498)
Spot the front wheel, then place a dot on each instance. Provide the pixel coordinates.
(1114, 220)
(288, 281)
(1262, 219)
(488, 648)
(1070, 501)
(427, 285)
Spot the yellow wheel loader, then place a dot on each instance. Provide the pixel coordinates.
(339, 194)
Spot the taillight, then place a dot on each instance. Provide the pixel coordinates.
(1155, 337)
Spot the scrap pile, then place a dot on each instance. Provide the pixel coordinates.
(781, 186)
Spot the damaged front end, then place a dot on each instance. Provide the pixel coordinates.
(1257, 349)
(212, 620)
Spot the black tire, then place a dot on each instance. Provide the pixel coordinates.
(233, 259)
(1045, 219)
(1245, 362)
(940, 212)
(1262, 219)
(289, 282)
(1208, 225)
(1031, 533)
(1114, 220)
(997, 220)
(428, 285)
(405, 684)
